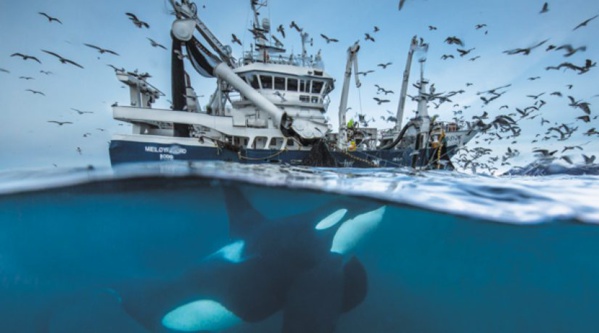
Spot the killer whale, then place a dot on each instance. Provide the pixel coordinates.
(302, 266)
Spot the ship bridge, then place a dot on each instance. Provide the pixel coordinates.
(287, 85)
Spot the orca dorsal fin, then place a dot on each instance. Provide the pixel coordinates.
(243, 217)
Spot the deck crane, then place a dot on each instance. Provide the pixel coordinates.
(352, 61)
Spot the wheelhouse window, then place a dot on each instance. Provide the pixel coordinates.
(304, 86)
(317, 87)
(254, 82)
(279, 83)
(292, 84)
(266, 81)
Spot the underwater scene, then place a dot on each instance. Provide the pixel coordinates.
(225, 247)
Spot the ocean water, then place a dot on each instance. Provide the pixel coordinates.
(452, 253)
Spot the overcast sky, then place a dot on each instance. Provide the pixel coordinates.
(28, 140)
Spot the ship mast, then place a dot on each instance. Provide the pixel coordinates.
(404, 85)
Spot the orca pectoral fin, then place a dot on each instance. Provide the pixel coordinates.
(355, 284)
(314, 302)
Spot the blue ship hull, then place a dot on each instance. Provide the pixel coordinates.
(123, 151)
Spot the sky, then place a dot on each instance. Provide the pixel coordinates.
(29, 141)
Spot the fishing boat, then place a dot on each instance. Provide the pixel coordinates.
(270, 106)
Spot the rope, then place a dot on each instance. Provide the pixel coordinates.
(241, 157)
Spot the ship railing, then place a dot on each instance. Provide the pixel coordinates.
(279, 59)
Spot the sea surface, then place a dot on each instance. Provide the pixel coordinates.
(453, 252)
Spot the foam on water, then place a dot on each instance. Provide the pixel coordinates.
(513, 199)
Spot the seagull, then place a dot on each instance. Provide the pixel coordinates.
(385, 65)
(25, 57)
(50, 18)
(329, 39)
(63, 60)
(588, 160)
(465, 52)
(36, 92)
(401, 3)
(60, 123)
(139, 23)
(295, 26)
(380, 101)
(524, 51)
(368, 37)
(570, 49)
(545, 8)
(447, 56)
(46, 72)
(234, 39)
(454, 40)
(101, 50)
(26, 78)
(585, 22)
(480, 26)
(155, 44)
(115, 68)
(281, 30)
(81, 112)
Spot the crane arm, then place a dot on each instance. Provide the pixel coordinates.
(352, 61)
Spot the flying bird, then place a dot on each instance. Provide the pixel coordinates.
(585, 22)
(329, 39)
(525, 51)
(81, 112)
(101, 50)
(281, 30)
(4, 70)
(401, 3)
(36, 92)
(46, 72)
(25, 57)
(545, 8)
(50, 18)
(155, 44)
(465, 52)
(235, 39)
(60, 123)
(295, 26)
(480, 26)
(385, 65)
(63, 60)
(138, 23)
(368, 37)
(380, 101)
(454, 40)
(432, 27)
(26, 78)
(570, 49)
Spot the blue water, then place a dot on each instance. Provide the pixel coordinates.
(453, 253)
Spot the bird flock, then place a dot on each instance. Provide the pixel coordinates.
(500, 122)
(47, 55)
